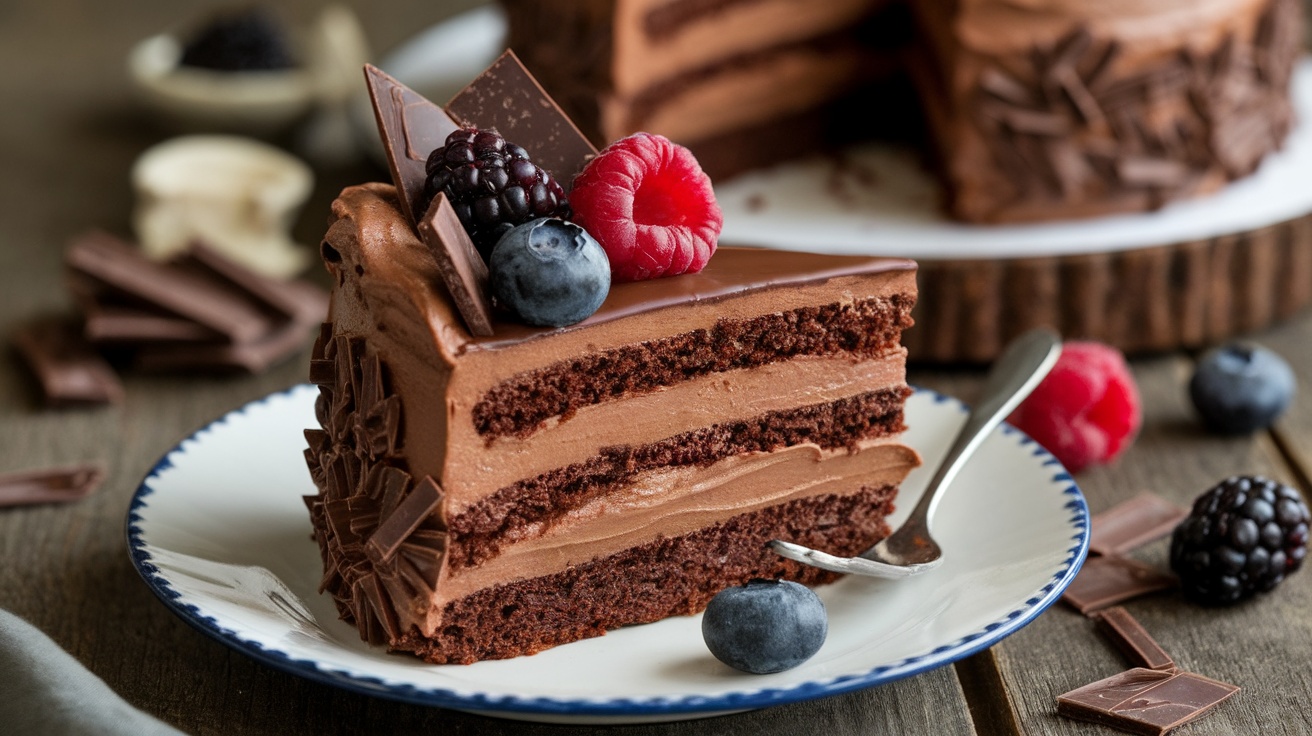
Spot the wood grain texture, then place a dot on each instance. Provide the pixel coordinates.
(1262, 646)
(65, 151)
(1142, 301)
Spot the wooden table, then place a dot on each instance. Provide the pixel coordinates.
(68, 135)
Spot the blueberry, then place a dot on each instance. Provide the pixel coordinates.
(550, 272)
(1240, 388)
(765, 626)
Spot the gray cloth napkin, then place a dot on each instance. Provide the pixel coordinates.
(45, 692)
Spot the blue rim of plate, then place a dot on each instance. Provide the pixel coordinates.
(685, 706)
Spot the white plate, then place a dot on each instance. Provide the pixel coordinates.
(219, 532)
(795, 206)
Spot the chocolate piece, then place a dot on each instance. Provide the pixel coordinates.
(250, 357)
(120, 266)
(1133, 640)
(402, 522)
(53, 485)
(411, 127)
(1106, 581)
(1125, 526)
(462, 268)
(1145, 701)
(70, 372)
(295, 300)
(116, 323)
(497, 99)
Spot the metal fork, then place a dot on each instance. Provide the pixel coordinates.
(911, 550)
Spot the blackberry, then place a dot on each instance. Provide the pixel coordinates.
(492, 184)
(1242, 538)
(243, 40)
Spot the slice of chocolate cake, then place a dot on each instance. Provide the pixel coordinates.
(487, 497)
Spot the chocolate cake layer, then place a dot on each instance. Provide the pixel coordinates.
(529, 507)
(666, 577)
(518, 407)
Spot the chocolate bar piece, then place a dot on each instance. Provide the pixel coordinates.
(120, 266)
(53, 485)
(411, 127)
(293, 300)
(462, 268)
(495, 99)
(70, 372)
(1133, 639)
(1106, 581)
(1145, 701)
(250, 357)
(1125, 526)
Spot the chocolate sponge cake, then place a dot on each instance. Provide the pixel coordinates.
(1034, 110)
(488, 497)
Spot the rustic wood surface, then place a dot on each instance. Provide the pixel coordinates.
(68, 136)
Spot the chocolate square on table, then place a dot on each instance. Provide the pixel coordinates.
(50, 485)
(1134, 523)
(1145, 701)
(1133, 640)
(70, 372)
(1106, 581)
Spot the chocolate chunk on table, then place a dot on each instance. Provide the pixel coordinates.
(121, 267)
(1133, 639)
(70, 371)
(50, 485)
(1108, 580)
(1145, 701)
(1125, 526)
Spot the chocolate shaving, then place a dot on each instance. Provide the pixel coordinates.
(1134, 523)
(459, 263)
(1133, 640)
(411, 127)
(498, 97)
(1106, 581)
(1145, 701)
(52, 485)
(423, 500)
(70, 372)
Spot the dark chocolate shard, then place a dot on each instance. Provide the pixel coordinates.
(70, 371)
(459, 263)
(1145, 701)
(247, 357)
(1134, 523)
(1108, 580)
(1133, 640)
(507, 97)
(411, 126)
(292, 300)
(422, 502)
(123, 268)
(52, 485)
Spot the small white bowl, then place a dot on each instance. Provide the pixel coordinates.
(238, 195)
(332, 52)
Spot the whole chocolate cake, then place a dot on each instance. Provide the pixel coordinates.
(1045, 109)
(489, 489)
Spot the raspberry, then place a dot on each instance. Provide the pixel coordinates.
(493, 185)
(1242, 538)
(650, 205)
(1087, 410)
